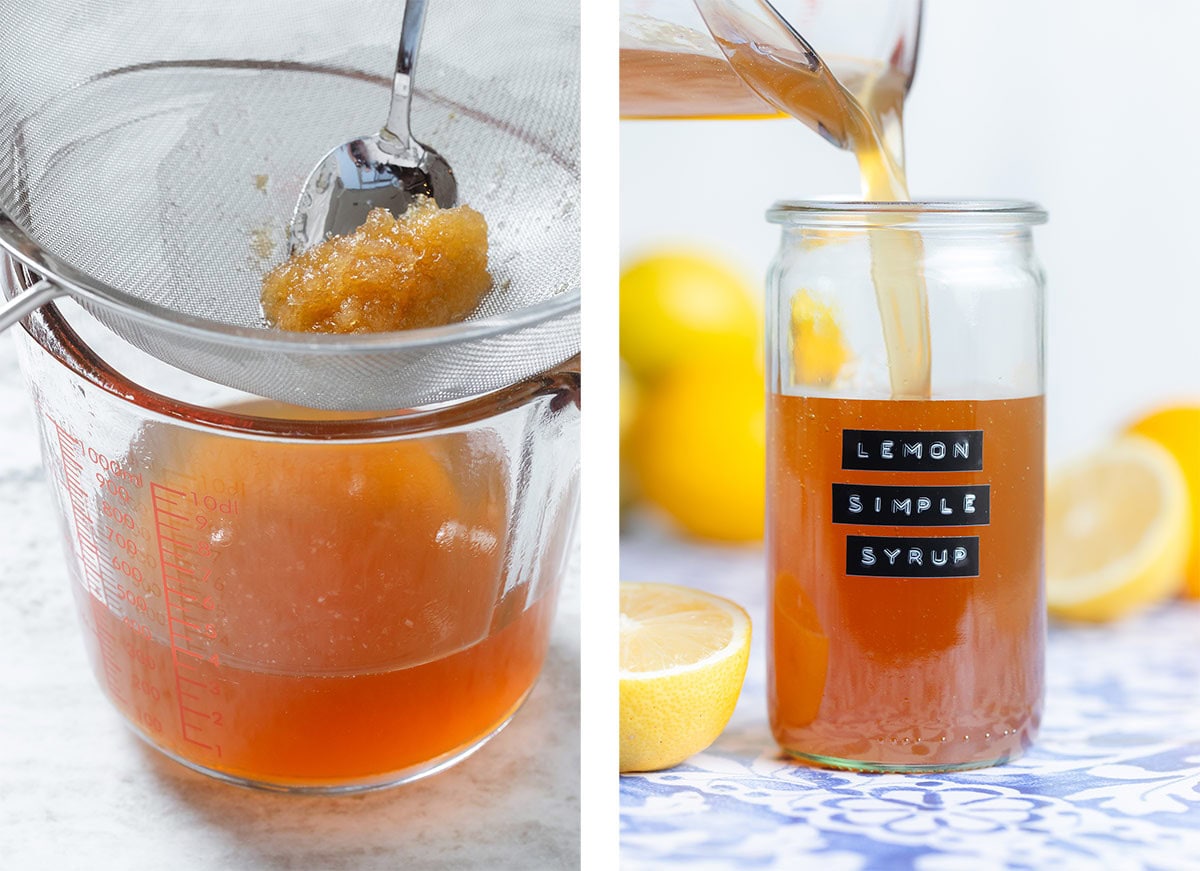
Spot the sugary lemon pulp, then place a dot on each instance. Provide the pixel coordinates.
(426, 268)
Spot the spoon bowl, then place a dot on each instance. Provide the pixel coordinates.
(361, 175)
(387, 170)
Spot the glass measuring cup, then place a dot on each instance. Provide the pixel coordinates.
(300, 600)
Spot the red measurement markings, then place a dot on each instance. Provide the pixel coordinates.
(96, 578)
(188, 627)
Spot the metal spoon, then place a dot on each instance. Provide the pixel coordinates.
(387, 169)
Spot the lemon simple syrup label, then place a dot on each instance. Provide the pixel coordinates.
(900, 451)
(909, 455)
(968, 505)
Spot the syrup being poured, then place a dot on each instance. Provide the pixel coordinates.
(768, 70)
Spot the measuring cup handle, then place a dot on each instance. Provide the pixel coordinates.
(26, 301)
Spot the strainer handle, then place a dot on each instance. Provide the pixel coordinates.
(406, 61)
(28, 300)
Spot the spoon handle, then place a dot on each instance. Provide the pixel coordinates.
(406, 60)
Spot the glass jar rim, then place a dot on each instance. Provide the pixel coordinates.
(942, 210)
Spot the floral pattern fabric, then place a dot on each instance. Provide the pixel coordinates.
(1112, 783)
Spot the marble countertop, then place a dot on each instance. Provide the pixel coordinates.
(78, 790)
(1112, 782)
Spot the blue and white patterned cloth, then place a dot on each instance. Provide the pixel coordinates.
(1112, 783)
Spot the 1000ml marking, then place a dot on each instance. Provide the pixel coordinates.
(97, 578)
(168, 590)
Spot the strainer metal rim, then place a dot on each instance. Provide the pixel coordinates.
(20, 246)
(17, 243)
(74, 282)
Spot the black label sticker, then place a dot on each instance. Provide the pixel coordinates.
(869, 505)
(903, 451)
(912, 557)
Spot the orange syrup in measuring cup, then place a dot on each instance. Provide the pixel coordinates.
(308, 614)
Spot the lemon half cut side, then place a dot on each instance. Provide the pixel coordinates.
(1118, 531)
(683, 660)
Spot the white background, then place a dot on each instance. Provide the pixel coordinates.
(1089, 108)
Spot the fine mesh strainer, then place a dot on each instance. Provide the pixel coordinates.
(151, 154)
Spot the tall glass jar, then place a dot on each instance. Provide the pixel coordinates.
(905, 483)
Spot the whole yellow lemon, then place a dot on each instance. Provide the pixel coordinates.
(699, 448)
(678, 306)
(630, 402)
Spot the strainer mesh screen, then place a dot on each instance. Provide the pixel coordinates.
(160, 148)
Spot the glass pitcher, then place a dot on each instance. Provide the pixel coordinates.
(673, 67)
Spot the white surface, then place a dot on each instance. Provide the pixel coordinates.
(78, 790)
(1086, 107)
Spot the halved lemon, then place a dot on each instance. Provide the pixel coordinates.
(1177, 428)
(1118, 531)
(683, 660)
